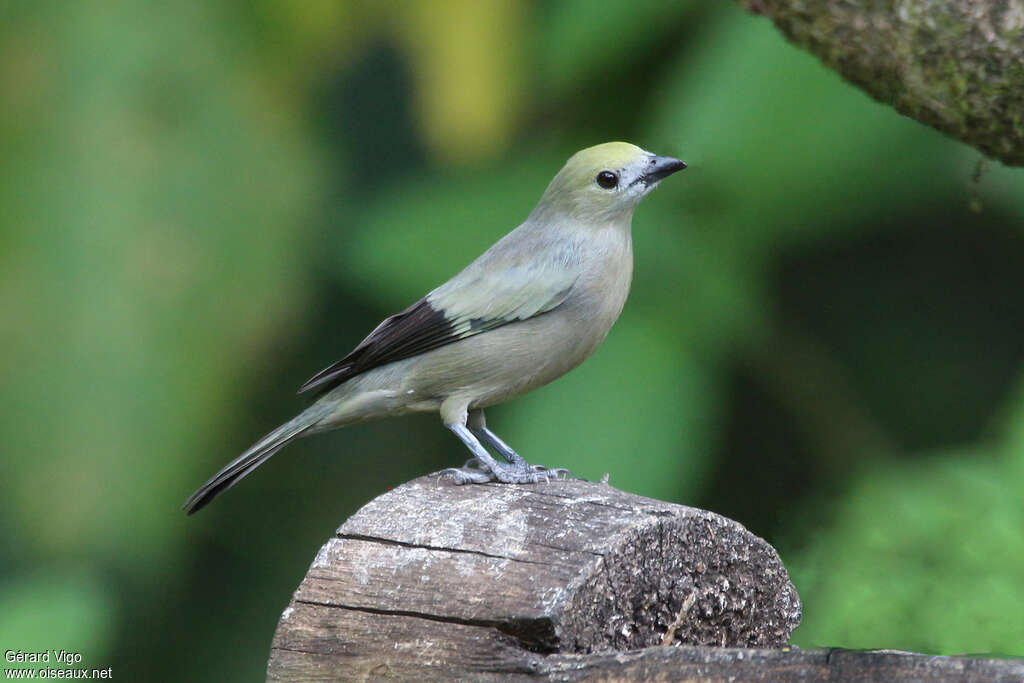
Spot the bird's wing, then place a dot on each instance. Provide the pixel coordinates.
(478, 299)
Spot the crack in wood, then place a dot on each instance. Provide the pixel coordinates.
(670, 634)
(464, 551)
(571, 551)
(279, 648)
(496, 580)
(533, 635)
(611, 584)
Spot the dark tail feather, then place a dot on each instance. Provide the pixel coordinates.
(258, 454)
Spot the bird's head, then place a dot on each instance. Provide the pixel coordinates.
(605, 182)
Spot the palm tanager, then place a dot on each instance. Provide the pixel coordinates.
(528, 310)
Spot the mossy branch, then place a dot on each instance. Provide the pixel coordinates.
(956, 65)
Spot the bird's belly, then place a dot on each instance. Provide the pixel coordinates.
(485, 369)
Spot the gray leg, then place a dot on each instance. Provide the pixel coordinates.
(490, 469)
(517, 461)
(477, 424)
(471, 429)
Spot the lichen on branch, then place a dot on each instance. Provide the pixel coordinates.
(956, 65)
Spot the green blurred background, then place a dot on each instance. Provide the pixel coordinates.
(203, 203)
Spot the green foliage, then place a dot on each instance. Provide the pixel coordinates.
(69, 609)
(439, 224)
(921, 557)
(198, 213)
(585, 41)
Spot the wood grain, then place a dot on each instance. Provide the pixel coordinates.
(436, 580)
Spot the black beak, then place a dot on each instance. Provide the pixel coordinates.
(660, 167)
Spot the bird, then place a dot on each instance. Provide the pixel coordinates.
(528, 310)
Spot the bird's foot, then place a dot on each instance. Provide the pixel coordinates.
(474, 465)
(474, 471)
(466, 475)
(554, 472)
(483, 468)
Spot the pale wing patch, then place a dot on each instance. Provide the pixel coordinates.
(500, 286)
(480, 298)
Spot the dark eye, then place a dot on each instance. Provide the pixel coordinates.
(607, 179)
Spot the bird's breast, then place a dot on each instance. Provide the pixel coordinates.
(603, 286)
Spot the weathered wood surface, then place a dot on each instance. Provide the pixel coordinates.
(433, 578)
(564, 581)
(689, 663)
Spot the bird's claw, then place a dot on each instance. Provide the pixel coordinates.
(554, 472)
(465, 475)
(474, 471)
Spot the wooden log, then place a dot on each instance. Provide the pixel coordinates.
(433, 580)
(565, 581)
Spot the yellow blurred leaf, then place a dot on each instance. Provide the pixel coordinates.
(465, 57)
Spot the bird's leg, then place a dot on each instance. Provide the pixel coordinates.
(477, 424)
(455, 418)
(517, 461)
(488, 466)
(471, 429)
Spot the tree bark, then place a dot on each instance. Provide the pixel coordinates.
(956, 65)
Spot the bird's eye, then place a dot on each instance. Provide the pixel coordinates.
(607, 179)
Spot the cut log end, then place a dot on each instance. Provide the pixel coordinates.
(493, 579)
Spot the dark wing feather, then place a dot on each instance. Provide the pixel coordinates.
(515, 279)
(415, 330)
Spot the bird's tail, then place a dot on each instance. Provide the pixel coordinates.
(257, 454)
